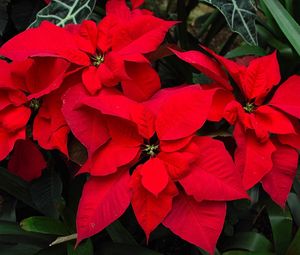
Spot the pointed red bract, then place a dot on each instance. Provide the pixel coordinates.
(26, 161)
(286, 96)
(150, 210)
(213, 176)
(278, 182)
(103, 200)
(179, 111)
(198, 223)
(252, 157)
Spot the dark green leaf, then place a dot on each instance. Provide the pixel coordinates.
(7, 208)
(249, 241)
(85, 248)
(3, 15)
(46, 193)
(54, 250)
(15, 186)
(124, 249)
(240, 16)
(246, 50)
(11, 232)
(62, 12)
(285, 21)
(294, 205)
(18, 249)
(45, 225)
(281, 223)
(119, 234)
(295, 245)
(246, 253)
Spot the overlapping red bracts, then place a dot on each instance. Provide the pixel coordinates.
(264, 113)
(142, 141)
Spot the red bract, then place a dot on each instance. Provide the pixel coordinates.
(13, 115)
(160, 135)
(256, 117)
(26, 161)
(110, 52)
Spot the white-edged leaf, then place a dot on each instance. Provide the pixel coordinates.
(240, 16)
(62, 12)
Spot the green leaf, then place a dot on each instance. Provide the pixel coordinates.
(3, 15)
(62, 12)
(18, 249)
(119, 234)
(15, 186)
(10, 232)
(294, 248)
(246, 253)
(285, 21)
(53, 250)
(249, 241)
(45, 225)
(85, 248)
(281, 223)
(294, 205)
(245, 50)
(124, 249)
(240, 16)
(46, 193)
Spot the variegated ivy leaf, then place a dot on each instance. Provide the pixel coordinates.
(240, 16)
(62, 12)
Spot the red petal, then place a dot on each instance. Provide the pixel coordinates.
(118, 8)
(26, 161)
(50, 128)
(206, 65)
(213, 176)
(7, 140)
(278, 182)
(221, 98)
(252, 157)
(180, 111)
(154, 176)
(273, 121)
(14, 118)
(150, 210)
(292, 140)
(111, 156)
(45, 75)
(86, 124)
(42, 41)
(91, 80)
(144, 81)
(103, 200)
(286, 98)
(258, 80)
(140, 34)
(110, 102)
(198, 223)
(136, 3)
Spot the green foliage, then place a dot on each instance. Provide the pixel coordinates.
(240, 16)
(64, 12)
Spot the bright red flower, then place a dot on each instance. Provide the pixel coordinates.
(159, 133)
(255, 115)
(109, 53)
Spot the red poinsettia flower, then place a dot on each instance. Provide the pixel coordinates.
(160, 135)
(13, 115)
(256, 115)
(110, 52)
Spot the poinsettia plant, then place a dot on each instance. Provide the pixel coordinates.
(122, 118)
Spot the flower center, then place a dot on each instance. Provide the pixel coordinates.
(97, 60)
(249, 107)
(35, 104)
(151, 149)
